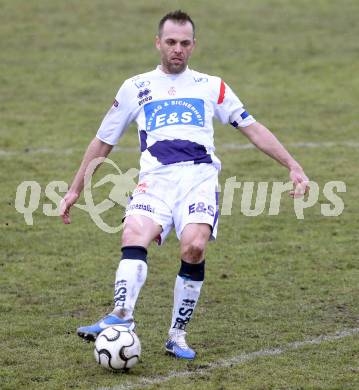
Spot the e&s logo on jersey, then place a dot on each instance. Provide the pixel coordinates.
(174, 112)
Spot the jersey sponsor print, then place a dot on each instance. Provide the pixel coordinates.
(186, 111)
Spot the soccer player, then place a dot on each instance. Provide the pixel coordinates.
(173, 107)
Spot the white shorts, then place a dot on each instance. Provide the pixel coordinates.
(176, 196)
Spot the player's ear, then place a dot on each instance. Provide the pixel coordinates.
(157, 42)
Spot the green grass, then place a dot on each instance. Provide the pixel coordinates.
(271, 280)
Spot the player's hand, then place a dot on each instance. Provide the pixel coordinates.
(300, 182)
(67, 202)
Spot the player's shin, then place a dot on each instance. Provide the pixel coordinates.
(130, 277)
(186, 294)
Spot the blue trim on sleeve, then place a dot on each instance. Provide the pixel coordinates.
(244, 115)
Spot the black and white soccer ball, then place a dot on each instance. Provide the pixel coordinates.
(117, 348)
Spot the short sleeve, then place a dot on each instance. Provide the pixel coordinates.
(229, 109)
(118, 117)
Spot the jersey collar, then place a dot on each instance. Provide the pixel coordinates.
(172, 76)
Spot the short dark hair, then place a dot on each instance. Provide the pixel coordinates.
(177, 17)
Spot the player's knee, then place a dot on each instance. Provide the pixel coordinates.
(193, 252)
(130, 234)
(193, 243)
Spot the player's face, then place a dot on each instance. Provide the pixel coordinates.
(175, 46)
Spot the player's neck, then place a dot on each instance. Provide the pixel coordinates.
(166, 71)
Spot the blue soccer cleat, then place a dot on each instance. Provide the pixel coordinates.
(176, 346)
(90, 333)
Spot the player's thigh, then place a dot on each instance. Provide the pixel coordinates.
(193, 241)
(140, 230)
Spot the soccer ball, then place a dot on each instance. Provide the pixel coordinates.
(117, 348)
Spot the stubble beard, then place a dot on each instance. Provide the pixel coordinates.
(174, 68)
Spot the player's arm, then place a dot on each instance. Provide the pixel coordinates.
(114, 124)
(96, 149)
(266, 141)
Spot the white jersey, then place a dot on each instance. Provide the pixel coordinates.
(174, 115)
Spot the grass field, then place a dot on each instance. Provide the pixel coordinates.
(271, 280)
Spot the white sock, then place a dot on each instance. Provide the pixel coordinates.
(186, 295)
(130, 277)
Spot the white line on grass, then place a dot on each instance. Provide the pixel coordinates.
(143, 382)
(124, 149)
(352, 144)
